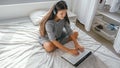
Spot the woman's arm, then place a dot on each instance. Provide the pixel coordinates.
(60, 46)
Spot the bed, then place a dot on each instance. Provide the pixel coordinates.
(20, 48)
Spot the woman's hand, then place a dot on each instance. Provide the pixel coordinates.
(81, 48)
(73, 52)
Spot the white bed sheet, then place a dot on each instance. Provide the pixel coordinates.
(20, 48)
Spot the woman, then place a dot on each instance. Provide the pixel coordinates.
(55, 30)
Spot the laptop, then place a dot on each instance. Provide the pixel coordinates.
(76, 60)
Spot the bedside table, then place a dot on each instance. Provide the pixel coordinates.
(72, 16)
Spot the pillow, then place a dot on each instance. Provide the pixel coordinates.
(37, 16)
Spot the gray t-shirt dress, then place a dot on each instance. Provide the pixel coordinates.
(59, 31)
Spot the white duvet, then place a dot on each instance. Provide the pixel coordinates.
(20, 48)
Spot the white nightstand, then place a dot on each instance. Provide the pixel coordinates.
(72, 16)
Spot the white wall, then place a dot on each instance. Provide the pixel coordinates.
(21, 10)
(6, 2)
(69, 3)
(24, 9)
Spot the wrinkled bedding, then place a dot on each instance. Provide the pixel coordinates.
(20, 48)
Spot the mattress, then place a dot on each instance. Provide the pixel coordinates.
(20, 48)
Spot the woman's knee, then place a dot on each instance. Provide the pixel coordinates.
(75, 34)
(49, 47)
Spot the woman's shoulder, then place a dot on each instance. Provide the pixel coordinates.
(50, 22)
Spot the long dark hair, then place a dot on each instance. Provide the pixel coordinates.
(61, 5)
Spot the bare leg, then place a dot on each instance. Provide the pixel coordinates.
(49, 47)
